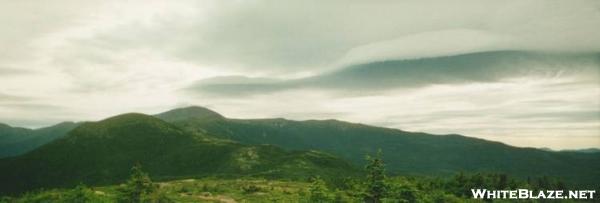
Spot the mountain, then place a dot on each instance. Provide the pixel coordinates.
(404, 152)
(587, 150)
(103, 152)
(15, 141)
(198, 142)
(192, 112)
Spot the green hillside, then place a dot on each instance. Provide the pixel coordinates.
(98, 153)
(197, 142)
(15, 141)
(406, 152)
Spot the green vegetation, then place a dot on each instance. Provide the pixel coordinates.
(16, 141)
(318, 191)
(139, 188)
(407, 153)
(375, 183)
(373, 187)
(197, 155)
(80, 194)
(102, 153)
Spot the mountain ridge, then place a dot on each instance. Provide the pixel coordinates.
(232, 143)
(102, 152)
(17, 140)
(414, 153)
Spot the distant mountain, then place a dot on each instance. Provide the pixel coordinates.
(404, 152)
(588, 150)
(15, 141)
(103, 152)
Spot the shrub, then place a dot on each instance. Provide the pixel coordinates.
(251, 189)
(81, 194)
(318, 191)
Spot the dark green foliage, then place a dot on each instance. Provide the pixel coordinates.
(460, 185)
(79, 194)
(15, 141)
(138, 188)
(400, 189)
(408, 153)
(99, 153)
(403, 192)
(5, 199)
(457, 188)
(375, 181)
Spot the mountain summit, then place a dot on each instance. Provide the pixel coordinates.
(187, 113)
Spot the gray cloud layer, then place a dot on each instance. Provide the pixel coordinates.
(468, 68)
(423, 65)
(278, 37)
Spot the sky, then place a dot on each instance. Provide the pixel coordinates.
(522, 72)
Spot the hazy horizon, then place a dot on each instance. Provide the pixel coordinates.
(525, 73)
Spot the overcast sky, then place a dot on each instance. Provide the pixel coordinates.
(523, 72)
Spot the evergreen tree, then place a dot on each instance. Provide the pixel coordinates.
(376, 187)
(318, 191)
(502, 182)
(461, 185)
(138, 187)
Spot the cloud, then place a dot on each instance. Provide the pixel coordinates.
(4, 71)
(412, 73)
(304, 37)
(86, 60)
(11, 98)
(427, 45)
(314, 35)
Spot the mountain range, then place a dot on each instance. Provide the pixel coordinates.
(405, 152)
(198, 142)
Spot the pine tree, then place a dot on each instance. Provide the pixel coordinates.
(138, 187)
(376, 187)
